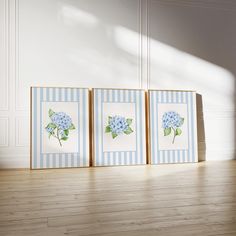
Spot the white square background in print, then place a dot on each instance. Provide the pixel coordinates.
(52, 145)
(165, 142)
(122, 142)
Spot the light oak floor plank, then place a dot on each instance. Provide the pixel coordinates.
(189, 199)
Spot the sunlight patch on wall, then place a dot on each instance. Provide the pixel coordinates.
(126, 40)
(72, 16)
(171, 68)
(179, 70)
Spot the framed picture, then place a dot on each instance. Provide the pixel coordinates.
(59, 127)
(172, 127)
(119, 134)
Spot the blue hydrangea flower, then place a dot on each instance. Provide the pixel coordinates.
(61, 120)
(171, 119)
(118, 124)
(60, 126)
(49, 129)
(171, 123)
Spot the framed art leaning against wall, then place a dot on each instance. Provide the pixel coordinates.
(59, 127)
(172, 126)
(119, 134)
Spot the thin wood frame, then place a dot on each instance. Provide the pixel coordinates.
(93, 127)
(87, 146)
(159, 156)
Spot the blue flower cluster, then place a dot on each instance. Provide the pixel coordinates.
(171, 119)
(49, 129)
(61, 120)
(118, 124)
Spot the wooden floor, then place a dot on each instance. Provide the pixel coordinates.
(189, 199)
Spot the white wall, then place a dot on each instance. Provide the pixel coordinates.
(163, 44)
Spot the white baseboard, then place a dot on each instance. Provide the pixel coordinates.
(10, 161)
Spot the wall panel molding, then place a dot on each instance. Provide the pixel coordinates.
(19, 105)
(140, 54)
(148, 46)
(4, 135)
(22, 131)
(4, 105)
(145, 50)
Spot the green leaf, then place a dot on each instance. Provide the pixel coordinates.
(64, 138)
(50, 112)
(51, 125)
(72, 127)
(129, 121)
(182, 121)
(51, 134)
(167, 131)
(178, 131)
(109, 119)
(66, 132)
(128, 131)
(108, 129)
(114, 135)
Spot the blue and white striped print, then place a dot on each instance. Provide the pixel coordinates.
(173, 156)
(138, 156)
(42, 160)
